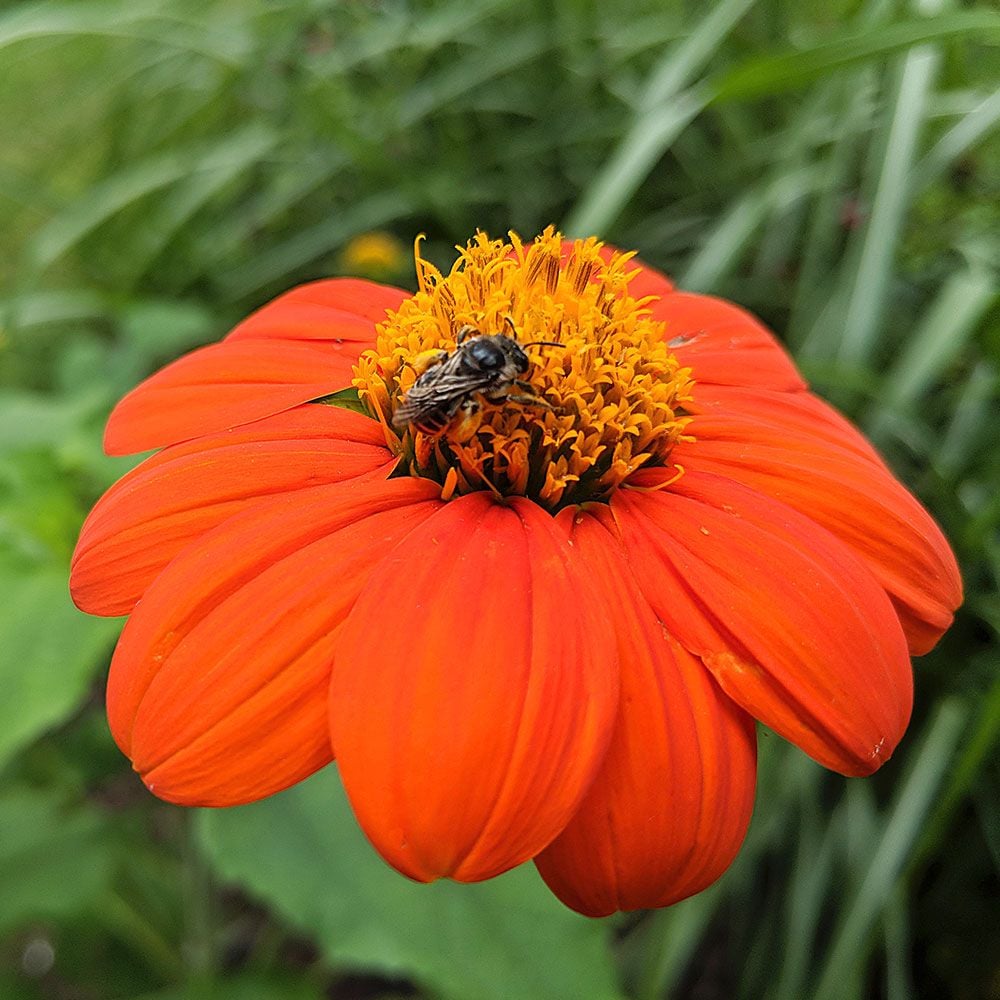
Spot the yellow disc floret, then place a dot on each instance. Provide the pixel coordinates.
(603, 397)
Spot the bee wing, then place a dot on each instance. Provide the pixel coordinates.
(444, 392)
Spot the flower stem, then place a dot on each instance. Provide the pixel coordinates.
(199, 943)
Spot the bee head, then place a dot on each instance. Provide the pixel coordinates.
(494, 352)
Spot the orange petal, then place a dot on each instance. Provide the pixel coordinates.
(724, 344)
(332, 309)
(225, 385)
(849, 495)
(649, 283)
(795, 628)
(218, 686)
(794, 412)
(175, 496)
(473, 693)
(670, 806)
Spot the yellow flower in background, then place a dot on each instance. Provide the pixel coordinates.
(376, 254)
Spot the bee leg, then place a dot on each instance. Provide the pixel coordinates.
(529, 400)
(464, 332)
(470, 416)
(528, 397)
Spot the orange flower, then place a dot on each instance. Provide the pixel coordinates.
(543, 631)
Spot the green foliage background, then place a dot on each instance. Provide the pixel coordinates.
(167, 165)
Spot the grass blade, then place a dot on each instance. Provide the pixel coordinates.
(310, 244)
(125, 188)
(810, 883)
(961, 137)
(915, 802)
(678, 931)
(972, 415)
(869, 291)
(656, 125)
(789, 70)
(896, 925)
(942, 334)
(980, 747)
(737, 227)
(629, 165)
(147, 21)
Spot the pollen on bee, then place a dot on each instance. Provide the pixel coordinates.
(426, 359)
(470, 416)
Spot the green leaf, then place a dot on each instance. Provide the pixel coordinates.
(347, 399)
(157, 328)
(29, 419)
(247, 987)
(148, 21)
(775, 74)
(62, 306)
(302, 852)
(234, 152)
(50, 652)
(55, 860)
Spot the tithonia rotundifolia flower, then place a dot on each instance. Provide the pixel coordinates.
(527, 552)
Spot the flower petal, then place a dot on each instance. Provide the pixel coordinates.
(849, 495)
(649, 282)
(792, 412)
(218, 686)
(794, 627)
(724, 344)
(332, 309)
(670, 805)
(474, 689)
(225, 385)
(180, 493)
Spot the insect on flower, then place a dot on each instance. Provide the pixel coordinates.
(483, 366)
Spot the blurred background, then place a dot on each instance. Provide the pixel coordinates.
(166, 166)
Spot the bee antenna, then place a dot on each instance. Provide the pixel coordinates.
(508, 319)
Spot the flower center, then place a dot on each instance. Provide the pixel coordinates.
(527, 370)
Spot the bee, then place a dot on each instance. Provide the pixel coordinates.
(483, 366)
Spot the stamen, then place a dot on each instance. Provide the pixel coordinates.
(551, 274)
